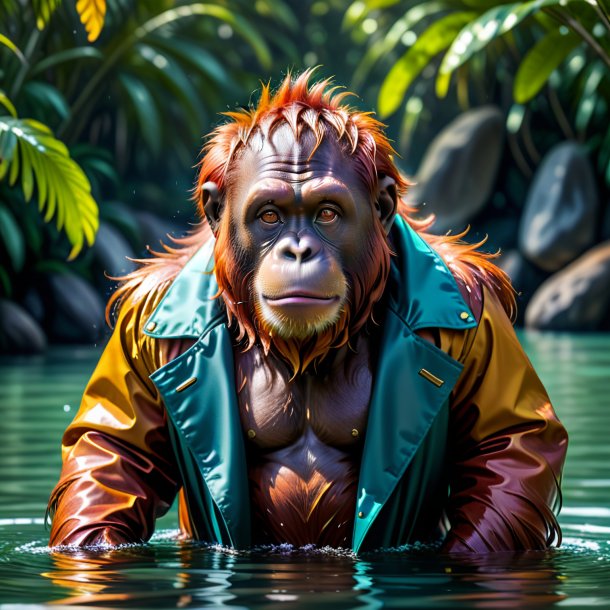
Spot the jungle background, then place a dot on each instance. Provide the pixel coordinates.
(499, 111)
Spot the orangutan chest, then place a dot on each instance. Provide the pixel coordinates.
(276, 412)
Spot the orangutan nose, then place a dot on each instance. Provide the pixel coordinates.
(299, 249)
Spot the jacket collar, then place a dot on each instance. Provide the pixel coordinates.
(422, 292)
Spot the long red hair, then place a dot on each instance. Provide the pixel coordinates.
(319, 108)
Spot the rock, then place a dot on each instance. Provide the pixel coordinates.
(75, 312)
(525, 276)
(501, 231)
(34, 303)
(19, 332)
(576, 298)
(560, 215)
(459, 169)
(605, 223)
(155, 230)
(110, 252)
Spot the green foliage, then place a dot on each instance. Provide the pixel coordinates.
(43, 10)
(29, 152)
(480, 50)
(82, 125)
(427, 46)
(540, 62)
(11, 238)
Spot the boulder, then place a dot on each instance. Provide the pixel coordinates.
(500, 231)
(560, 214)
(576, 298)
(459, 169)
(111, 251)
(155, 230)
(75, 312)
(525, 276)
(19, 332)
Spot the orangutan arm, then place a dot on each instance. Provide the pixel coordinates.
(507, 449)
(118, 474)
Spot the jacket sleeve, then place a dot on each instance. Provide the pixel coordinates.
(507, 446)
(118, 473)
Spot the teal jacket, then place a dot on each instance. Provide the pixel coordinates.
(402, 484)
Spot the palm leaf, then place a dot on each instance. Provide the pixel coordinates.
(484, 29)
(382, 46)
(237, 22)
(145, 109)
(92, 13)
(539, 63)
(12, 238)
(429, 44)
(43, 10)
(9, 44)
(63, 189)
(76, 54)
(4, 101)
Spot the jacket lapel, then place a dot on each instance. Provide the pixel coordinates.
(198, 390)
(414, 378)
(413, 381)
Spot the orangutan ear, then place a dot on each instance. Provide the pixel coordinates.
(387, 201)
(212, 205)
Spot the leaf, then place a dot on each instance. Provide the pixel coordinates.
(46, 95)
(605, 6)
(175, 79)
(12, 238)
(194, 55)
(485, 28)
(354, 14)
(239, 24)
(382, 46)
(43, 9)
(92, 13)
(589, 96)
(63, 188)
(541, 60)
(429, 44)
(4, 101)
(7, 42)
(76, 54)
(145, 108)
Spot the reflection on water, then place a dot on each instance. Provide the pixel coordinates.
(38, 398)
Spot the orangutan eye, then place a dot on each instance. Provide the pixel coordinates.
(327, 215)
(270, 217)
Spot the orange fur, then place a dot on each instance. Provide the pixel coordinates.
(319, 108)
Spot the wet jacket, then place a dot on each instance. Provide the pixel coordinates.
(460, 435)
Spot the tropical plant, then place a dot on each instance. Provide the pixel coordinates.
(560, 48)
(122, 119)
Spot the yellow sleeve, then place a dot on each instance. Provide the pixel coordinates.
(507, 446)
(118, 474)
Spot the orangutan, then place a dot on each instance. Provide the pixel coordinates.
(311, 366)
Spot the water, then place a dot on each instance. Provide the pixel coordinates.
(39, 396)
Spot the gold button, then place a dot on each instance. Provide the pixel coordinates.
(464, 315)
(251, 433)
(355, 433)
(361, 514)
(151, 326)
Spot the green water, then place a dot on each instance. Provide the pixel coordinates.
(39, 396)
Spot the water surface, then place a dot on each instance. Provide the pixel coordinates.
(39, 396)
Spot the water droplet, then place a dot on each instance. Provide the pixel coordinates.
(67, 408)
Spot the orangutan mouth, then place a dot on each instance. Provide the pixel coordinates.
(300, 298)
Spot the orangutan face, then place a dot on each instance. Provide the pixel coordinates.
(302, 240)
(301, 223)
